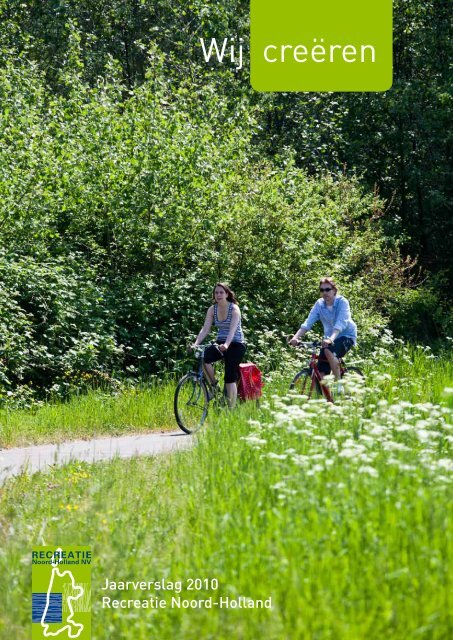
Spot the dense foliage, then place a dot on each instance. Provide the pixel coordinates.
(133, 176)
(398, 141)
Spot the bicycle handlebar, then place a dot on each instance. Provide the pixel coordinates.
(309, 345)
(201, 348)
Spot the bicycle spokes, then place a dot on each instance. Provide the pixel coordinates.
(306, 384)
(191, 403)
(194, 395)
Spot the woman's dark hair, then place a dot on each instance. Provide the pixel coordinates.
(230, 293)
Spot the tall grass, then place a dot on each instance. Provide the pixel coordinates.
(146, 408)
(339, 513)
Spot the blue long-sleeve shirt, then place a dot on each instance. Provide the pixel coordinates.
(338, 318)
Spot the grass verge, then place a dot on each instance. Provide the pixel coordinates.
(338, 513)
(89, 416)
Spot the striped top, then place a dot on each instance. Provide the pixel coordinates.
(223, 328)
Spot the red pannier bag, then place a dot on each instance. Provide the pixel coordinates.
(250, 381)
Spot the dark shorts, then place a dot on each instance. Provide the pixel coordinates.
(339, 347)
(232, 356)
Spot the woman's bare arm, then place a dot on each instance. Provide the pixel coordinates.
(206, 328)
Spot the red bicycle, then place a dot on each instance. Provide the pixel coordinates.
(308, 382)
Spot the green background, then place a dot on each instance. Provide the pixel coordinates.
(296, 22)
(41, 574)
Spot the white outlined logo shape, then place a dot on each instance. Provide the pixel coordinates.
(71, 625)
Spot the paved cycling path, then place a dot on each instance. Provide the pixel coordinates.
(41, 457)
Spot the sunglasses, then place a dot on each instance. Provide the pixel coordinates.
(326, 289)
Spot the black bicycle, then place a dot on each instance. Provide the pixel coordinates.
(193, 394)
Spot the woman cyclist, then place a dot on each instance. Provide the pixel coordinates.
(340, 331)
(226, 316)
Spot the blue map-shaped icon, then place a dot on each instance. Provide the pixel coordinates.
(55, 610)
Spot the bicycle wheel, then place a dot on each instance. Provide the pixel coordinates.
(353, 370)
(302, 383)
(191, 403)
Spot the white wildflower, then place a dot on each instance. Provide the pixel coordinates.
(421, 424)
(391, 445)
(445, 463)
(407, 467)
(403, 427)
(350, 453)
(395, 408)
(371, 471)
(254, 440)
(378, 430)
(365, 438)
(425, 436)
(365, 457)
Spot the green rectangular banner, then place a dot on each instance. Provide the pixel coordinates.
(61, 592)
(301, 45)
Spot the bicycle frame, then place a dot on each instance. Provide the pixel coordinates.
(201, 374)
(194, 392)
(316, 374)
